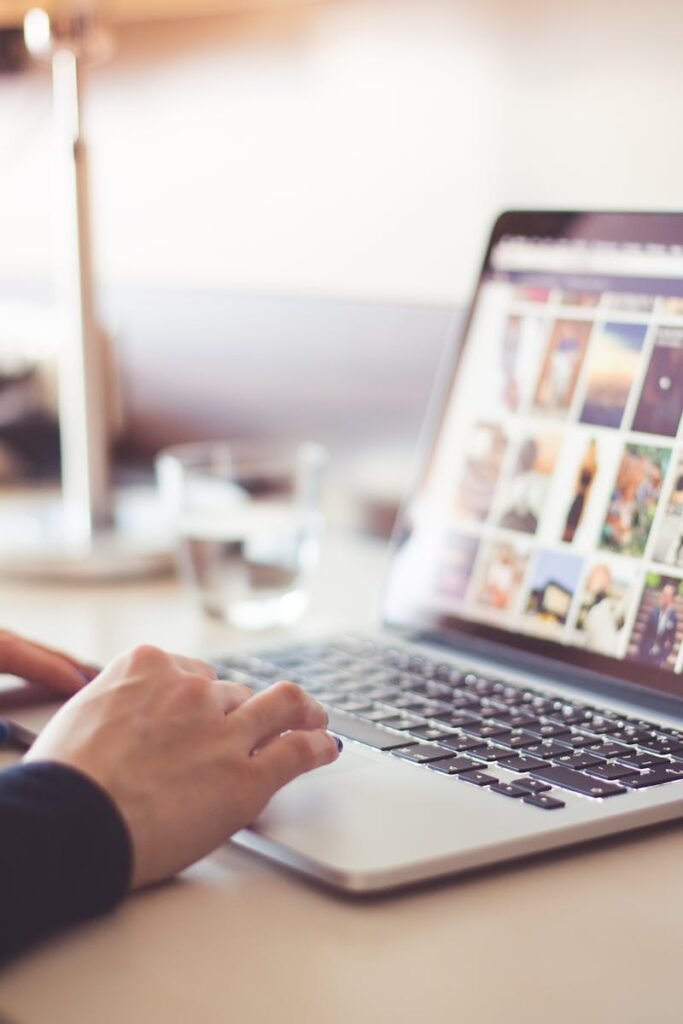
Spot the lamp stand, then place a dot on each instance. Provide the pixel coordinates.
(93, 534)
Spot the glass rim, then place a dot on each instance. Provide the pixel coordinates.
(255, 453)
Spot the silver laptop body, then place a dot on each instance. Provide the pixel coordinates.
(540, 554)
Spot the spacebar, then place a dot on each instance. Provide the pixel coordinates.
(365, 732)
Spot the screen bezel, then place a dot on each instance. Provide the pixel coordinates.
(647, 228)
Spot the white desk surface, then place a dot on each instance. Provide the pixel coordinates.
(593, 935)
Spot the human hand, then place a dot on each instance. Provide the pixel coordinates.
(43, 665)
(188, 759)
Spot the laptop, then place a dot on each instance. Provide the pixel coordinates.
(524, 690)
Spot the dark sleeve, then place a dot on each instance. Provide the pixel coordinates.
(65, 852)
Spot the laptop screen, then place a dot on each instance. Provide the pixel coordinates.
(549, 514)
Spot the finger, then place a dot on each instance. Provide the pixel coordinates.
(87, 669)
(40, 665)
(295, 753)
(194, 665)
(229, 696)
(281, 707)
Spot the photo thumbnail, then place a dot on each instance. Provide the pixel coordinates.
(503, 566)
(605, 602)
(520, 350)
(555, 576)
(628, 302)
(634, 499)
(484, 452)
(612, 365)
(672, 306)
(661, 400)
(583, 300)
(561, 366)
(658, 629)
(531, 293)
(583, 485)
(669, 542)
(524, 493)
(456, 562)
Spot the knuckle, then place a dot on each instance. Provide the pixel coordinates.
(196, 687)
(146, 655)
(292, 695)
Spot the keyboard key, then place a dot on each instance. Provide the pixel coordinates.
(359, 729)
(507, 789)
(479, 778)
(522, 763)
(662, 745)
(489, 711)
(581, 740)
(548, 803)
(406, 702)
(491, 752)
(543, 705)
(519, 719)
(462, 743)
(675, 734)
(610, 771)
(632, 734)
(548, 730)
(484, 687)
(567, 778)
(463, 701)
(440, 690)
(570, 715)
(525, 721)
(455, 718)
(431, 707)
(599, 724)
(406, 722)
(378, 713)
(431, 732)
(377, 693)
(547, 749)
(643, 760)
(423, 753)
(390, 721)
(454, 765)
(583, 759)
(353, 705)
(609, 750)
(518, 738)
(529, 785)
(510, 696)
(487, 730)
(655, 776)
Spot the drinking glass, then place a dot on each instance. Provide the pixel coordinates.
(248, 522)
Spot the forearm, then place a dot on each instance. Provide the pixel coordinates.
(65, 853)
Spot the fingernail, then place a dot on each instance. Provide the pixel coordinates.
(340, 745)
(88, 676)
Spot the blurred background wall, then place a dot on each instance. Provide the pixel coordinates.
(355, 149)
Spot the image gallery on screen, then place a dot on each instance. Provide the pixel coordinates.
(564, 457)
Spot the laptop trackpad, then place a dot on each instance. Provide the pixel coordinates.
(365, 813)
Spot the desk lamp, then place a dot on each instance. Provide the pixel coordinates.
(92, 533)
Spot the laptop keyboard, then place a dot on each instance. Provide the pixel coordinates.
(514, 741)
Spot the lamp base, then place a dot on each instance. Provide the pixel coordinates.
(34, 543)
